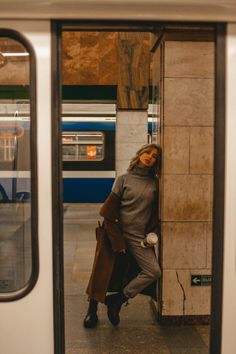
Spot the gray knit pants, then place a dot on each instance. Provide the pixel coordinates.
(147, 261)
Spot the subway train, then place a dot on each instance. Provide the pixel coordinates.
(88, 151)
(31, 235)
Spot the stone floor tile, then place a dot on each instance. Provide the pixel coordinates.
(138, 331)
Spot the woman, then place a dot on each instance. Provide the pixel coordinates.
(130, 213)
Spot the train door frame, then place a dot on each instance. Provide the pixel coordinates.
(219, 169)
(24, 323)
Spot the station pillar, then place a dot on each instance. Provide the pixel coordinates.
(133, 53)
(187, 134)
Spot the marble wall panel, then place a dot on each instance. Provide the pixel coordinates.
(172, 294)
(209, 231)
(89, 58)
(122, 165)
(189, 59)
(133, 133)
(134, 117)
(188, 102)
(201, 150)
(126, 151)
(133, 71)
(186, 198)
(128, 141)
(184, 245)
(197, 297)
(176, 151)
(108, 66)
(15, 69)
(70, 58)
(15, 73)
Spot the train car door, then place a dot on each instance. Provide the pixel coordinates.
(26, 321)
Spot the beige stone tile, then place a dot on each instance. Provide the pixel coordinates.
(201, 150)
(126, 151)
(89, 58)
(133, 133)
(189, 59)
(209, 244)
(131, 117)
(172, 294)
(198, 297)
(188, 102)
(4, 77)
(186, 198)
(108, 66)
(176, 284)
(15, 73)
(184, 245)
(71, 58)
(176, 150)
(121, 166)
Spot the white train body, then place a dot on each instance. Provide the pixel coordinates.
(30, 324)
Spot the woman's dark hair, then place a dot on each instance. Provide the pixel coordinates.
(146, 148)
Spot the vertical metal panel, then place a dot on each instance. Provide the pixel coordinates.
(30, 319)
(57, 202)
(218, 208)
(228, 344)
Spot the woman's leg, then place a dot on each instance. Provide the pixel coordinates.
(91, 317)
(150, 269)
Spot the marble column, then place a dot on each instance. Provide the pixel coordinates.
(187, 175)
(132, 96)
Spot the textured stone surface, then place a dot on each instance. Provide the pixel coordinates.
(92, 58)
(177, 286)
(108, 65)
(188, 102)
(209, 244)
(89, 58)
(189, 59)
(176, 151)
(15, 73)
(186, 198)
(138, 332)
(187, 107)
(185, 245)
(201, 150)
(131, 134)
(133, 70)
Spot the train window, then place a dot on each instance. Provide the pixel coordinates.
(18, 190)
(83, 146)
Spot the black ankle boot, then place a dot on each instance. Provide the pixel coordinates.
(114, 303)
(91, 319)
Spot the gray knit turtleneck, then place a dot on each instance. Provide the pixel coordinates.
(137, 190)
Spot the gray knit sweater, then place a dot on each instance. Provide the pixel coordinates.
(137, 190)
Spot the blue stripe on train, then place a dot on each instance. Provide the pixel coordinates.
(99, 126)
(90, 126)
(86, 190)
